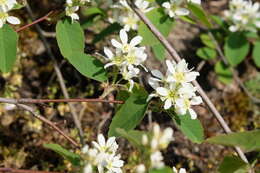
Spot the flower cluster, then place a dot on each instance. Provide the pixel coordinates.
(102, 157)
(158, 140)
(174, 7)
(244, 15)
(127, 57)
(5, 7)
(72, 6)
(176, 90)
(130, 19)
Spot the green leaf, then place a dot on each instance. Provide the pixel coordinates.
(256, 54)
(70, 156)
(161, 22)
(8, 48)
(200, 14)
(205, 38)
(206, 53)
(218, 20)
(88, 66)
(162, 170)
(133, 136)
(192, 129)
(233, 164)
(159, 51)
(131, 113)
(236, 48)
(188, 19)
(249, 140)
(93, 11)
(107, 31)
(70, 37)
(224, 73)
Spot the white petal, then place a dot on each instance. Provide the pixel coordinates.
(1, 23)
(196, 100)
(182, 12)
(110, 141)
(13, 20)
(109, 64)
(193, 114)
(116, 44)
(157, 74)
(108, 53)
(150, 97)
(167, 104)
(162, 91)
(123, 36)
(135, 41)
(182, 170)
(166, 5)
(101, 140)
(191, 76)
(170, 66)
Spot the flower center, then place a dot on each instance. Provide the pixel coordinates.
(3, 2)
(118, 60)
(131, 21)
(179, 76)
(3, 15)
(131, 59)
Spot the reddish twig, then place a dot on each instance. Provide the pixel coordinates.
(11, 170)
(34, 22)
(173, 53)
(36, 101)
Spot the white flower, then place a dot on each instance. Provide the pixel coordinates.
(129, 72)
(174, 10)
(124, 46)
(161, 140)
(182, 170)
(114, 164)
(184, 104)
(156, 160)
(195, 1)
(180, 73)
(109, 146)
(7, 5)
(88, 168)
(143, 5)
(168, 95)
(243, 15)
(130, 21)
(85, 149)
(140, 169)
(4, 17)
(71, 12)
(117, 59)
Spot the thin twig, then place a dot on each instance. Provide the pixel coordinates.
(36, 101)
(233, 70)
(173, 53)
(60, 77)
(11, 170)
(34, 22)
(43, 119)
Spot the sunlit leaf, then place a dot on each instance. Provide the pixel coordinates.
(8, 47)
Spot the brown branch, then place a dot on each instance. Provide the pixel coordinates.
(34, 22)
(173, 53)
(51, 124)
(59, 76)
(36, 101)
(11, 170)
